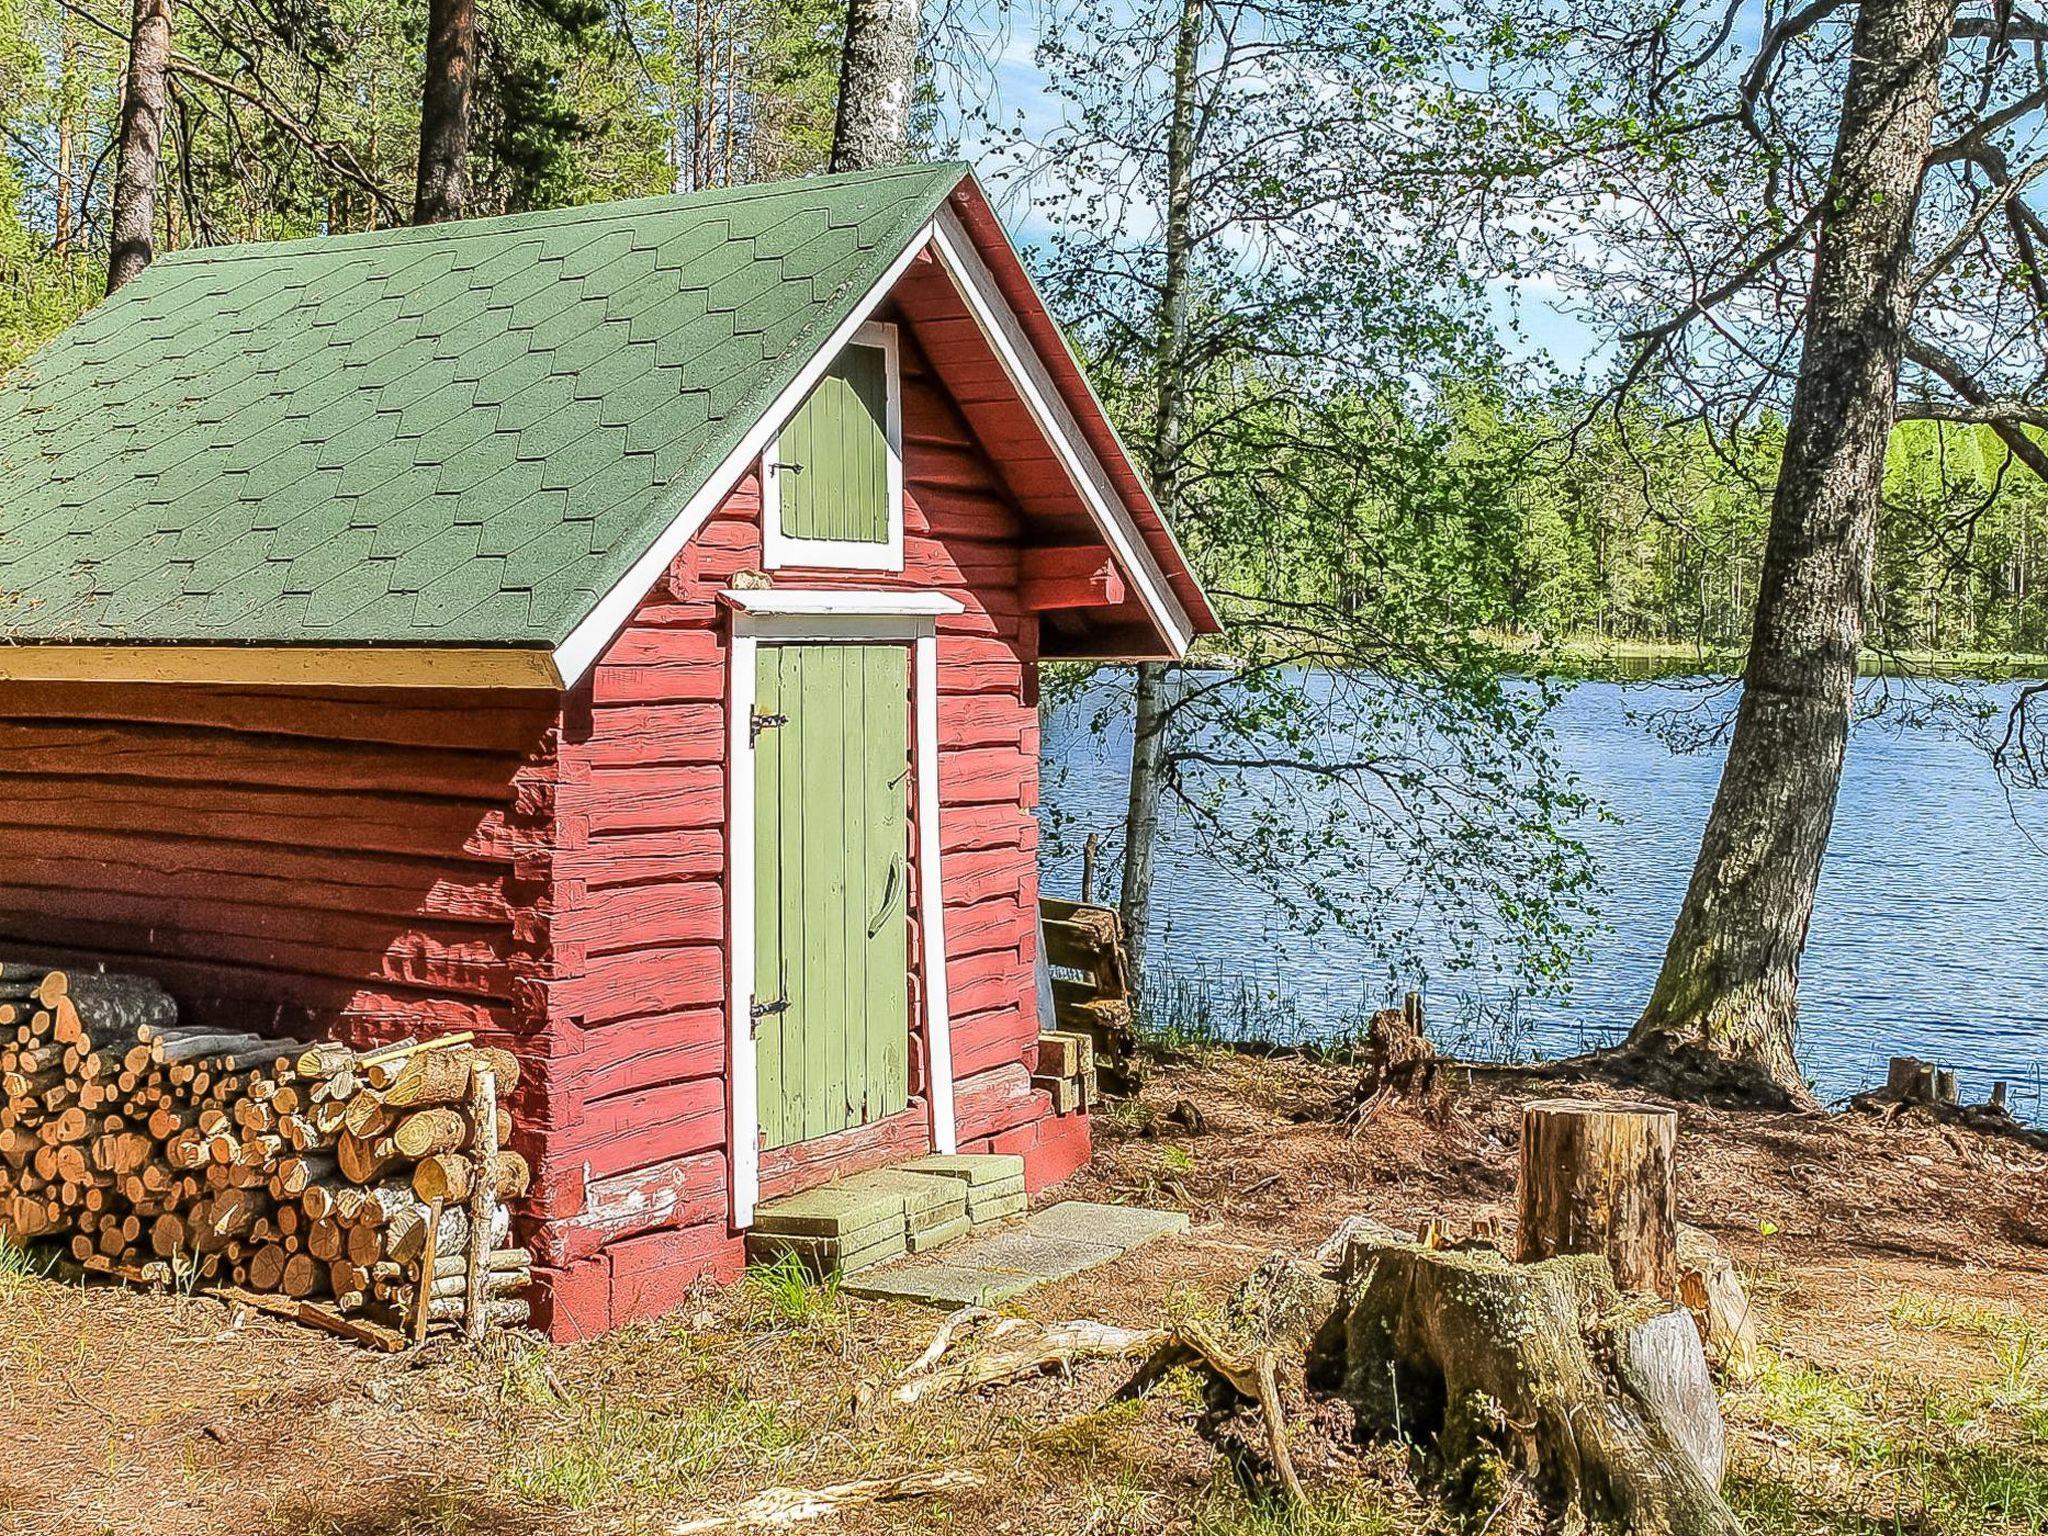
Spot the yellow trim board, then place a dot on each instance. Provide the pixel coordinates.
(388, 666)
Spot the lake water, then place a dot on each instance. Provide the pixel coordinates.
(1930, 936)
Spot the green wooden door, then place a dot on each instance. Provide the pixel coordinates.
(833, 457)
(831, 876)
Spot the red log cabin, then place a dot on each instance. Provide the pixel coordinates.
(612, 631)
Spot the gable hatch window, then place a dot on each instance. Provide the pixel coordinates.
(832, 478)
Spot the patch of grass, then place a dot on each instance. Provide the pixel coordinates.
(1091, 1436)
(19, 1267)
(1945, 1314)
(1859, 1459)
(1229, 1511)
(1816, 1408)
(1770, 1506)
(2018, 1357)
(607, 1452)
(792, 1294)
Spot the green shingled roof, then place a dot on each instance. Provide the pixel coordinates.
(457, 435)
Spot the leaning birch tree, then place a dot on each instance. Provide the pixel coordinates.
(1246, 233)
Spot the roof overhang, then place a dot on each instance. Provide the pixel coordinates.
(1067, 408)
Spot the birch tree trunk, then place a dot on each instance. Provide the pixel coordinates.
(1730, 979)
(145, 101)
(877, 70)
(1149, 724)
(67, 112)
(441, 192)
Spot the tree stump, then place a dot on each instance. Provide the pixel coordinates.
(1598, 1179)
(1531, 1383)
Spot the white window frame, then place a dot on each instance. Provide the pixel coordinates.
(772, 618)
(780, 550)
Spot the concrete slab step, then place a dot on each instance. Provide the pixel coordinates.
(927, 1199)
(994, 1181)
(832, 1227)
(1052, 1244)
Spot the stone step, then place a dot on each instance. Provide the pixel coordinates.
(832, 1227)
(994, 1180)
(868, 1218)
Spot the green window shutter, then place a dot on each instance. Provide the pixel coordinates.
(832, 460)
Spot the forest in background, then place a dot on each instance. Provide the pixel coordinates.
(300, 117)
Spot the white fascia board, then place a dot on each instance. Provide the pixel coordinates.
(289, 666)
(998, 322)
(575, 655)
(846, 604)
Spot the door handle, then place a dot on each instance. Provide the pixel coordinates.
(889, 892)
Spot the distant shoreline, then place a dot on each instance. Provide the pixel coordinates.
(1596, 658)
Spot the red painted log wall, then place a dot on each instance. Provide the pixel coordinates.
(357, 862)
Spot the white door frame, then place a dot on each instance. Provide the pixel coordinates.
(777, 617)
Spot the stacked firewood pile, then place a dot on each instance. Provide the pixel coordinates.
(1091, 990)
(359, 1190)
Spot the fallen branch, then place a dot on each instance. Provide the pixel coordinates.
(797, 1506)
(1039, 1347)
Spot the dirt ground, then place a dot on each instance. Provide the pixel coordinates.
(1898, 1270)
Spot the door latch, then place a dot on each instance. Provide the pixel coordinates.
(758, 722)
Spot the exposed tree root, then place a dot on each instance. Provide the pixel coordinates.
(1253, 1380)
(1662, 1067)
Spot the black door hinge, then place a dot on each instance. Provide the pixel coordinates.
(758, 722)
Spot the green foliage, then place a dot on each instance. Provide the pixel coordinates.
(588, 1454)
(1355, 745)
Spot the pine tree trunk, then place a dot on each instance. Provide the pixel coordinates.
(442, 190)
(1150, 723)
(877, 69)
(1730, 980)
(145, 102)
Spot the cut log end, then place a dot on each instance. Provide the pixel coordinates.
(1599, 1178)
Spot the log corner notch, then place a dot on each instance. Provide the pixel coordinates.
(1540, 1381)
(1070, 576)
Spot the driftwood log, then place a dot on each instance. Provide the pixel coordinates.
(1598, 1178)
(1540, 1381)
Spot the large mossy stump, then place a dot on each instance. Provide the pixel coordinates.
(1533, 1383)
